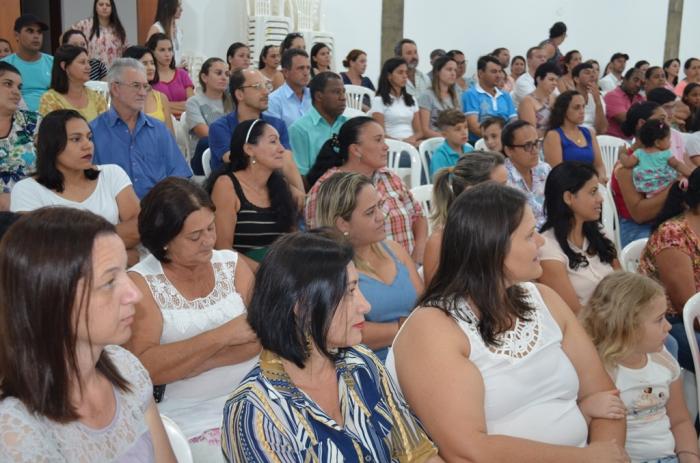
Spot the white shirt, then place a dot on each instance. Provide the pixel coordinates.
(523, 87)
(692, 143)
(589, 112)
(609, 82)
(398, 118)
(422, 84)
(28, 194)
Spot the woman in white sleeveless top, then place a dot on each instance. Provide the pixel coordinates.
(493, 365)
(190, 330)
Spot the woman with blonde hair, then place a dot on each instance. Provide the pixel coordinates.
(470, 170)
(388, 277)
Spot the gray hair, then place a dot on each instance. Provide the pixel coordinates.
(116, 71)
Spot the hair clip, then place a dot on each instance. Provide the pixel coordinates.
(335, 142)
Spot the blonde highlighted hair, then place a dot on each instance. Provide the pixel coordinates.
(337, 198)
(614, 312)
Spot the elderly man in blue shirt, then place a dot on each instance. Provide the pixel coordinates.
(124, 135)
(293, 99)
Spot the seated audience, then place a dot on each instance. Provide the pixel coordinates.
(69, 392)
(254, 203)
(125, 136)
(238, 57)
(671, 69)
(654, 77)
(478, 167)
(313, 382)
(453, 128)
(5, 48)
(584, 76)
(536, 107)
(612, 77)
(691, 69)
(525, 84)
(484, 99)
(619, 100)
(491, 129)
(393, 107)
(482, 326)
(292, 40)
(70, 71)
(625, 319)
(517, 68)
(98, 69)
(356, 64)
(107, 35)
(175, 83)
(34, 66)
(310, 132)
(190, 330)
(207, 106)
(66, 176)
(359, 147)
(570, 60)
(292, 100)
(19, 127)
(157, 105)
(567, 139)
(417, 82)
(576, 254)
(441, 96)
(269, 65)
(526, 171)
(550, 46)
(671, 256)
(320, 56)
(388, 277)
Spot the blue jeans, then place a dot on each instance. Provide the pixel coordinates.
(631, 230)
(673, 459)
(685, 358)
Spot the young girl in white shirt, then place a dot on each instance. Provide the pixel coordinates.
(625, 318)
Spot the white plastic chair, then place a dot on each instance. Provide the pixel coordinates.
(397, 147)
(629, 257)
(352, 112)
(181, 138)
(480, 145)
(691, 311)
(609, 147)
(611, 222)
(99, 86)
(178, 441)
(424, 195)
(206, 159)
(426, 150)
(355, 94)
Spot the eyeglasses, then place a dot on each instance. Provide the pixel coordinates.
(259, 86)
(136, 86)
(530, 146)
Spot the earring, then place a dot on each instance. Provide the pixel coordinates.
(345, 233)
(252, 160)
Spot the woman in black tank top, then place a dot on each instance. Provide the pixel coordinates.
(254, 205)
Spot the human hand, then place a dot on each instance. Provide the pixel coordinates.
(605, 404)
(238, 331)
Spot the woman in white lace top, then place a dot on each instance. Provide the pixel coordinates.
(190, 330)
(68, 392)
(492, 364)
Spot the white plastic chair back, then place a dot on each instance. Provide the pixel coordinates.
(426, 150)
(410, 176)
(611, 222)
(352, 112)
(480, 145)
(206, 159)
(609, 147)
(355, 94)
(180, 128)
(424, 195)
(629, 257)
(178, 441)
(691, 311)
(99, 86)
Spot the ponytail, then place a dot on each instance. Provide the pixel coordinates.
(443, 195)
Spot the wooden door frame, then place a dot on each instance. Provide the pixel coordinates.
(146, 13)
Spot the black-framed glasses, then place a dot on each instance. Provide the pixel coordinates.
(530, 146)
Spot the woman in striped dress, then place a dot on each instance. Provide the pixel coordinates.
(254, 204)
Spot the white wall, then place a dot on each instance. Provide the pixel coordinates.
(75, 10)
(690, 32)
(210, 26)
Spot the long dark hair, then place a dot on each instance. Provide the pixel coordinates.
(51, 141)
(570, 177)
(314, 51)
(559, 108)
(384, 86)
(113, 21)
(678, 199)
(334, 152)
(137, 52)
(667, 65)
(165, 13)
(152, 44)
(281, 199)
(263, 55)
(44, 257)
(637, 111)
(65, 54)
(475, 242)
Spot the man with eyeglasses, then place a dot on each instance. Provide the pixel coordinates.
(126, 136)
(525, 170)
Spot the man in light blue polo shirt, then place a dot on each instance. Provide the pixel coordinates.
(484, 99)
(124, 135)
(34, 66)
(293, 99)
(325, 118)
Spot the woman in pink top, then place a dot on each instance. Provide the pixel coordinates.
(174, 82)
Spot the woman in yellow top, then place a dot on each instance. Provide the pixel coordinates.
(71, 69)
(157, 104)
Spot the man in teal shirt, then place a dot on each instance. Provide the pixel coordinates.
(308, 134)
(34, 66)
